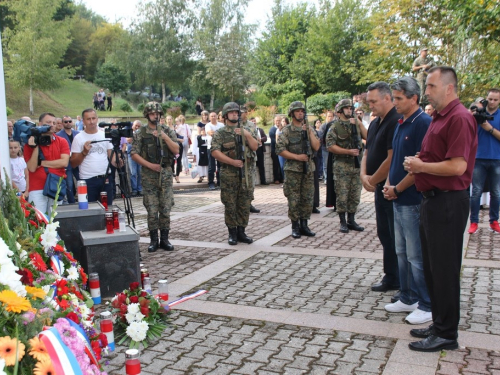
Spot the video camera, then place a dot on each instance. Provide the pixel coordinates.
(24, 129)
(480, 114)
(124, 129)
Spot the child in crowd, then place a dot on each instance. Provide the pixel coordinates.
(19, 169)
(200, 154)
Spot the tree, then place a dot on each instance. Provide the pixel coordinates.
(36, 46)
(162, 43)
(81, 31)
(112, 78)
(223, 42)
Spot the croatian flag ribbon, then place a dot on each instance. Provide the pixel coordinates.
(63, 359)
(83, 337)
(186, 298)
(57, 265)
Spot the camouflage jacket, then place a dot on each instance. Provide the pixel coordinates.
(250, 126)
(340, 134)
(419, 61)
(145, 145)
(224, 140)
(291, 140)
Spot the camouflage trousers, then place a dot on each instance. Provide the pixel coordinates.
(347, 186)
(251, 177)
(299, 190)
(236, 198)
(158, 198)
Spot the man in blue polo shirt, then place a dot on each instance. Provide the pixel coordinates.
(487, 164)
(400, 188)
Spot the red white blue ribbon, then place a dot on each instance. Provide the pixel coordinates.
(186, 298)
(84, 338)
(63, 359)
(57, 265)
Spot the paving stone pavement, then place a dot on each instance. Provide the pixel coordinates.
(313, 310)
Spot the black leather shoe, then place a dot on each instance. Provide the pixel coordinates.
(254, 210)
(383, 287)
(422, 333)
(395, 298)
(433, 343)
(242, 237)
(233, 236)
(296, 229)
(316, 211)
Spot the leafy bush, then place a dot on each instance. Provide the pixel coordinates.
(251, 105)
(264, 114)
(286, 99)
(174, 111)
(319, 103)
(184, 106)
(261, 99)
(125, 107)
(140, 107)
(9, 111)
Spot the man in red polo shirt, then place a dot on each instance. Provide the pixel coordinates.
(56, 156)
(443, 172)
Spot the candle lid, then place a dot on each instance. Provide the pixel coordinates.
(132, 353)
(105, 315)
(162, 281)
(93, 275)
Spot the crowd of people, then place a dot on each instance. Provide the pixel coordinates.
(418, 162)
(99, 100)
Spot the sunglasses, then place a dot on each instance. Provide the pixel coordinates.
(68, 122)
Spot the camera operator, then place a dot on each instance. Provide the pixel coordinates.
(487, 165)
(55, 154)
(91, 152)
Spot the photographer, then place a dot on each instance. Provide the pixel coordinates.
(91, 152)
(55, 157)
(487, 160)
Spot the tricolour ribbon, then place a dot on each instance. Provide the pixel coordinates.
(188, 297)
(83, 337)
(63, 359)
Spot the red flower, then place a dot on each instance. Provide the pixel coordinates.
(134, 286)
(144, 302)
(103, 339)
(26, 213)
(62, 287)
(38, 261)
(27, 276)
(33, 223)
(73, 317)
(83, 275)
(64, 304)
(123, 309)
(78, 294)
(134, 299)
(145, 311)
(144, 294)
(59, 248)
(96, 349)
(70, 257)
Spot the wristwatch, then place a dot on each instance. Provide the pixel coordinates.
(396, 191)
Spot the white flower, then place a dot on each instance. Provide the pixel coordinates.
(133, 308)
(23, 254)
(130, 318)
(137, 331)
(72, 273)
(49, 236)
(2, 366)
(8, 275)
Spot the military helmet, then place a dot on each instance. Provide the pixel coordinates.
(294, 106)
(243, 109)
(230, 107)
(152, 107)
(344, 103)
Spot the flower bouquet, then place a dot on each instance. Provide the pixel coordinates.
(141, 318)
(42, 287)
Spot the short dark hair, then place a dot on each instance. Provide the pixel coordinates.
(494, 90)
(408, 86)
(42, 116)
(382, 87)
(448, 75)
(87, 111)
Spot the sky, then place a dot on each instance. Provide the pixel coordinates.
(125, 10)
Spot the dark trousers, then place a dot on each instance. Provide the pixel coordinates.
(213, 169)
(385, 231)
(94, 187)
(260, 164)
(316, 181)
(442, 223)
(278, 176)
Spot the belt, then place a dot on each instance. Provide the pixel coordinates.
(433, 193)
(100, 176)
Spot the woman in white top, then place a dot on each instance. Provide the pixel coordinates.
(184, 131)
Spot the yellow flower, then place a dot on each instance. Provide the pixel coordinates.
(14, 303)
(8, 350)
(44, 368)
(35, 292)
(38, 349)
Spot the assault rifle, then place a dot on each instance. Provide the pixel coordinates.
(306, 145)
(356, 141)
(240, 148)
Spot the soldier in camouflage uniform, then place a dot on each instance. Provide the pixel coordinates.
(154, 147)
(251, 155)
(421, 65)
(236, 192)
(341, 141)
(299, 168)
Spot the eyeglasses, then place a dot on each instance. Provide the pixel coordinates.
(68, 122)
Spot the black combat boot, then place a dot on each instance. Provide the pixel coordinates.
(254, 210)
(343, 224)
(153, 245)
(242, 237)
(351, 224)
(304, 229)
(296, 229)
(164, 242)
(233, 236)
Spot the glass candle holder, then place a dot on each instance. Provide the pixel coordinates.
(132, 362)
(104, 200)
(109, 223)
(116, 223)
(163, 292)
